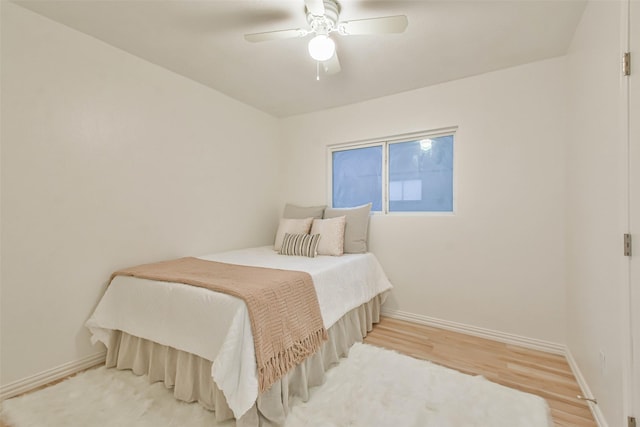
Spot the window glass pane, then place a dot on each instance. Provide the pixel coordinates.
(357, 177)
(421, 175)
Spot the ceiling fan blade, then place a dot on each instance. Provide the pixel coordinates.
(275, 35)
(332, 65)
(315, 7)
(384, 25)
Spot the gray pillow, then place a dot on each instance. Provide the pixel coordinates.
(302, 212)
(356, 228)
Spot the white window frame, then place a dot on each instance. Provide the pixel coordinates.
(384, 143)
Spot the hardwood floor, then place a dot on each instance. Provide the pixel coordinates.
(546, 375)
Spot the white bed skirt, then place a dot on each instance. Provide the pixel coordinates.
(190, 375)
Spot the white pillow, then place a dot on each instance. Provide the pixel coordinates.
(331, 233)
(291, 226)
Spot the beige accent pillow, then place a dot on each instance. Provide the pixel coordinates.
(331, 233)
(291, 226)
(356, 231)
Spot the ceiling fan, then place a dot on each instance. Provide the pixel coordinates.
(323, 17)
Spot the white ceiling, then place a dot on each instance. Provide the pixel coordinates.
(203, 40)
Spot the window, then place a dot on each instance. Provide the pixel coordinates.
(357, 177)
(413, 174)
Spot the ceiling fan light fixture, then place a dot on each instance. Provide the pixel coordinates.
(321, 47)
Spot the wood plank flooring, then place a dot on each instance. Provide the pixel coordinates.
(546, 375)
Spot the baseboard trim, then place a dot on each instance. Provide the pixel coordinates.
(507, 338)
(27, 384)
(586, 391)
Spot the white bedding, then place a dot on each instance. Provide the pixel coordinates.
(216, 326)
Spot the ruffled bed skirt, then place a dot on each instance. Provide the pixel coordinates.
(190, 375)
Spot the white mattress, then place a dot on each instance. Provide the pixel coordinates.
(216, 326)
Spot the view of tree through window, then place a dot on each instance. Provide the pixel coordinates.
(418, 175)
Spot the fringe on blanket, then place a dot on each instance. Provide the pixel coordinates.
(277, 366)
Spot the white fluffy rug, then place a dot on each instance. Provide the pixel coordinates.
(372, 387)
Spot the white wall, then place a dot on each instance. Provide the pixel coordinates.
(596, 202)
(108, 161)
(498, 263)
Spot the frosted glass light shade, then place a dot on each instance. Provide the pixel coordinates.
(321, 47)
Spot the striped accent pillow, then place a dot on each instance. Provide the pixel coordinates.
(300, 245)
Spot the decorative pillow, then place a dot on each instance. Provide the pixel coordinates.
(332, 233)
(355, 231)
(300, 245)
(300, 212)
(293, 226)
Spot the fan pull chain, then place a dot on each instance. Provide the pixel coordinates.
(317, 70)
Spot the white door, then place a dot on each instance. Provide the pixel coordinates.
(634, 203)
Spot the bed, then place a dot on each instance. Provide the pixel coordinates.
(200, 343)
